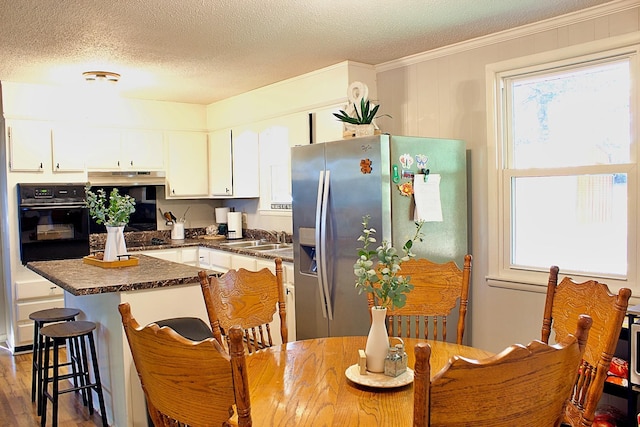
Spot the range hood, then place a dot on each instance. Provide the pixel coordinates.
(127, 178)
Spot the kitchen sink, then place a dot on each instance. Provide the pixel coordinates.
(244, 244)
(270, 246)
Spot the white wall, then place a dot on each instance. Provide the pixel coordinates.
(442, 94)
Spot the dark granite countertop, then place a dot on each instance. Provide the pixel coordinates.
(78, 278)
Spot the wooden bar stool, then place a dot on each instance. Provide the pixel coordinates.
(40, 318)
(56, 334)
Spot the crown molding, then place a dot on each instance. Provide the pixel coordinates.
(510, 34)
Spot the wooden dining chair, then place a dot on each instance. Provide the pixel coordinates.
(565, 301)
(188, 382)
(249, 299)
(520, 386)
(437, 290)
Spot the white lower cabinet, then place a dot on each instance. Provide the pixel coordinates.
(243, 261)
(188, 255)
(215, 260)
(32, 293)
(221, 261)
(289, 295)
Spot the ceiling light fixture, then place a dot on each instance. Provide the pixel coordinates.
(97, 76)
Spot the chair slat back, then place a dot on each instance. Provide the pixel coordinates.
(194, 383)
(437, 290)
(568, 299)
(248, 299)
(521, 386)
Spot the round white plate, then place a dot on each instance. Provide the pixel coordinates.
(371, 379)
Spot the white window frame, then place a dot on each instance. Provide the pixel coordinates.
(500, 271)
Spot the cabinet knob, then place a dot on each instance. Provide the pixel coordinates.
(41, 165)
(131, 162)
(57, 165)
(118, 163)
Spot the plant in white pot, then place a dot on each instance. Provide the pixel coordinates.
(114, 215)
(361, 118)
(377, 272)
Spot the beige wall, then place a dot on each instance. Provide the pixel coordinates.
(442, 94)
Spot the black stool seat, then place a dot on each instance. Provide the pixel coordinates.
(75, 333)
(40, 318)
(54, 315)
(192, 328)
(68, 329)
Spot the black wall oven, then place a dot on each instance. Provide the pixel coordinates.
(53, 222)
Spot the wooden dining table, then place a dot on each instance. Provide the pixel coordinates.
(303, 383)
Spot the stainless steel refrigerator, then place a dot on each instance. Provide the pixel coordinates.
(334, 184)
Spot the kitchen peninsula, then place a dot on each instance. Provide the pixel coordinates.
(156, 289)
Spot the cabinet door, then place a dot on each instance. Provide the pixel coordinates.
(246, 172)
(166, 254)
(29, 146)
(104, 151)
(68, 148)
(220, 183)
(187, 175)
(142, 150)
(215, 260)
(241, 261)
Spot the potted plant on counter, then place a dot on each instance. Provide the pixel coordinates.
(377, 272)
(114, 215)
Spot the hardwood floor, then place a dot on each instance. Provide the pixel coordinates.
(16, 408)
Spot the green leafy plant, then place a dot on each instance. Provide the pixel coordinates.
(116, 213)
(363, 117)
(377, 270)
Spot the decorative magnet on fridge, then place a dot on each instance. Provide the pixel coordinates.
(421, 161)
(365, 166)
(406, 188)
(406, 161)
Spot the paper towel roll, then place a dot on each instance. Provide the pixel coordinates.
(221, 215)
(234, 225)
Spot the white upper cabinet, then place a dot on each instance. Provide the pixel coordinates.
(68, 148)
(116, 150)
(29, 146)
(245, 163)
(143, 150)
(220, 170)
(234, 164)
(277, 136)
(187, 175)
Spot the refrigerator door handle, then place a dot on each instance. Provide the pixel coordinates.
(323, 244)
(319, 249)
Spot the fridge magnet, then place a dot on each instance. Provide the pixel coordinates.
(406, 161)
(365, 166)
(395, 174)
(406, 188)
(421, 161)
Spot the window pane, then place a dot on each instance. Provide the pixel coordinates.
(578, 117)
(578, 223)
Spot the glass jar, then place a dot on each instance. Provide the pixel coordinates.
(395, 363)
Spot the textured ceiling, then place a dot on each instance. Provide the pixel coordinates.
(201, 51)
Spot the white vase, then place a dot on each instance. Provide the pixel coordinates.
(377, 340)
(115, 244)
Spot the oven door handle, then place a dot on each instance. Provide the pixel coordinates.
(53, 206)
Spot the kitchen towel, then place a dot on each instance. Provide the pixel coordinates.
(426, 193)
(221, 215)
(234, 225)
